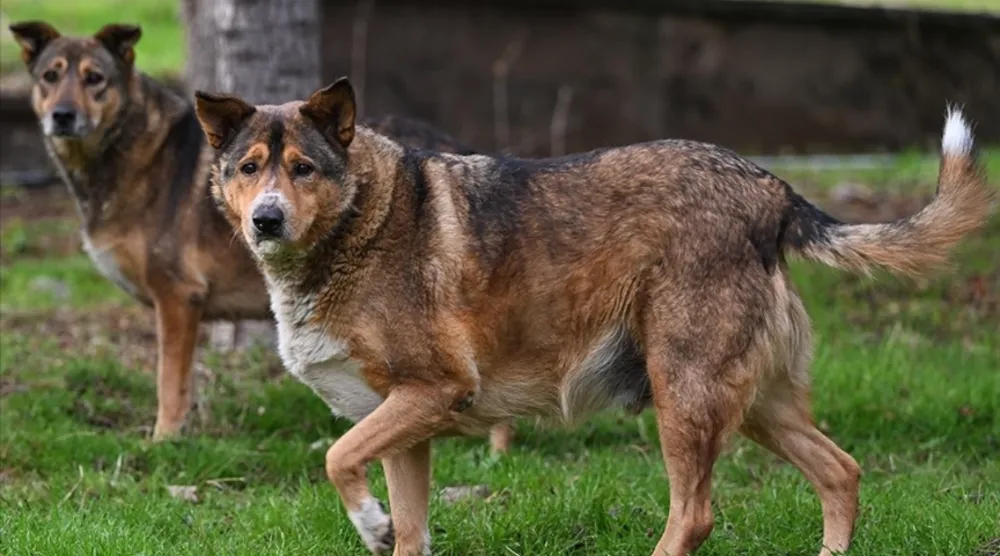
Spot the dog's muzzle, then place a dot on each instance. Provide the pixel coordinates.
(268, 221)
(65, 121)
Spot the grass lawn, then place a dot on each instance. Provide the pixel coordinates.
(160, 51)
(906, 380)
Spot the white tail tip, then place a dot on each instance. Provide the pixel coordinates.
(957, 138)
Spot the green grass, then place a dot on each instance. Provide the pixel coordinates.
(159, 52)
(908, 173)
(906, 379)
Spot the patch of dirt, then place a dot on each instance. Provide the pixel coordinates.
(37, 223)
(118, 397)
(991, 548)
(127, 332)
(107, 400)
(9, 386)
(36, 204)
(856, 203)
(7, 475)
(20, 244)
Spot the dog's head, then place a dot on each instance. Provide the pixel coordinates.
(282, 172)
(80, 83)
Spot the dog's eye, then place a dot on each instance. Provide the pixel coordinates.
(250, 168)
(302, 169)
(50, 76)
(93, 78)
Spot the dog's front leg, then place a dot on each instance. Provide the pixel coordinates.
(398, 432)
(177, 322)
(408, 475)
(501, 436)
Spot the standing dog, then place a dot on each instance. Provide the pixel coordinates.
(134, 158)
(423, 294)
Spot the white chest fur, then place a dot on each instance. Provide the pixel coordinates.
(107, 264)
(319, 361)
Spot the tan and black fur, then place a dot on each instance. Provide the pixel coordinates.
(136, 163)
(425, 294)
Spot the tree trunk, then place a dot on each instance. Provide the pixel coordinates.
(269, 50)
(266, 51)
(200, 38)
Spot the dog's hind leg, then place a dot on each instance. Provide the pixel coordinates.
(703, 364)
(781, 421)
(695, 416)
(177, 322)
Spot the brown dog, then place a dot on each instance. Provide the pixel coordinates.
(134, 158)
(423, 294)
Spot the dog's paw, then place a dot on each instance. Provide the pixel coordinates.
(165, 431)
(374, 525)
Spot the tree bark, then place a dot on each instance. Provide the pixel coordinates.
(266, 51)
(269, 50)
(200, 38)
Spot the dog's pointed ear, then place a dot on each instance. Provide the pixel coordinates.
(220, 116)
(33, 36)
(120, 40)
(334, 111)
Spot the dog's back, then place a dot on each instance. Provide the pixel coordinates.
(416, 134)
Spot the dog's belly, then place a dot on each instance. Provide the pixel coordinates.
(324, 365)
(611, 373)
(106, 260)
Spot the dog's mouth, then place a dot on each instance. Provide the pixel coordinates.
(68, 134)
(267, 243)
(60, 126)
(273, 251)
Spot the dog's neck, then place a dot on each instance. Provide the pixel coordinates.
(342, 256)
(98, 168)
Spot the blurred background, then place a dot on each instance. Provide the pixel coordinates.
(845, 100)
(543, 77)
(813, 85)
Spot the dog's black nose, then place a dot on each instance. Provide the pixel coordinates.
(63, 117)
(268, 219)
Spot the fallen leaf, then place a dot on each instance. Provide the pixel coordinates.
(185, 493)
(321, 444)
(453, 494)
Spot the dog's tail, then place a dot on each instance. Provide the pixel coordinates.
(911, 245)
